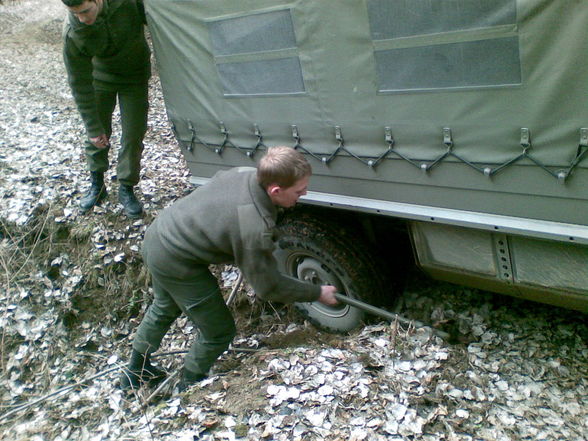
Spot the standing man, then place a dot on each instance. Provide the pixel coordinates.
(106, 57)
(230, 219)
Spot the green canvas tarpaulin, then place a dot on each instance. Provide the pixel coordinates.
(461, 104)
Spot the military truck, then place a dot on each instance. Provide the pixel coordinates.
(460, 125)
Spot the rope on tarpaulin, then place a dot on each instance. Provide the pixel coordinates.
(561, 173)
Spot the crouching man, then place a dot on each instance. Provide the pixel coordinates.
(230, 219)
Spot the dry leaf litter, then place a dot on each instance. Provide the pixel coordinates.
(74, 292)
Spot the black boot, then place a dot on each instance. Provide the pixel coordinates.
(140, 371)
(126, 197)
(96, 194)
(188, 379)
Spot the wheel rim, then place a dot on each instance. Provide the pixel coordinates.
(310, 269)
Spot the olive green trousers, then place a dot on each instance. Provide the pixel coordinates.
(198, 297)
(133, 105)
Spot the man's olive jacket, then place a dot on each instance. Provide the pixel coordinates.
(112, 51)
(229, 220)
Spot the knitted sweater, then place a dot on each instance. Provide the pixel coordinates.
(113, 51)
(229, 220)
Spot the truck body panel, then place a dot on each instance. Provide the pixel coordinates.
(467, 119)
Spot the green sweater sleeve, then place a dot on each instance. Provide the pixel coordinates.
(254, 256)
(79, 72)
(141, 9)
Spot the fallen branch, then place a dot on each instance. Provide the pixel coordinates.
(67, 389)
(57, 392)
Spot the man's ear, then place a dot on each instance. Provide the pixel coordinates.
(273, 190)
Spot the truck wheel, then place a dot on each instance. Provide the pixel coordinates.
(325, 254)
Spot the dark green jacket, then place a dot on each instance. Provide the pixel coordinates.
(112, 51)
(229, 220)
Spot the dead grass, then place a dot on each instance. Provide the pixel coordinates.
(113, 295)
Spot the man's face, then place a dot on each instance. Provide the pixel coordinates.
(287, 197)
(87, 11)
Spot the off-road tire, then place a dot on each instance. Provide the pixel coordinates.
(323, 253)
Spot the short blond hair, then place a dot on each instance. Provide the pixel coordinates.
(283, 166)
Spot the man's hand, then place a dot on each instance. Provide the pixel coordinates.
(327, 296)
(100, 141)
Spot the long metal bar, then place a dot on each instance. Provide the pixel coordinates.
(386, 314)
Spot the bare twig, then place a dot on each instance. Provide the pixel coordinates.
(29, 255)
(235, 289)
(56, 393)
(159, 388)
(67, 389)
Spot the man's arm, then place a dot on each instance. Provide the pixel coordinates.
(141, 9)
(79, 72)
(260, 268)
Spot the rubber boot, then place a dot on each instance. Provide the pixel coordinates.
(140, 371)
(189, 379)
(131, 205)
(96, 194)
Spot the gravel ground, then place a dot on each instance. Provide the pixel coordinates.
(517, 371)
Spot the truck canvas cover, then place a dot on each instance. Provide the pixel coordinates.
(477, 106)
